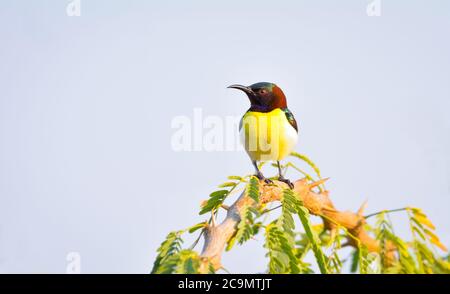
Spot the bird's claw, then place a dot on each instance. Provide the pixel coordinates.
(262, 178)
(268, 181)
(287, 181)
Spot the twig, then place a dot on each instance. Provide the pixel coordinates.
(271, 209)
(197, 240)
(385, 211)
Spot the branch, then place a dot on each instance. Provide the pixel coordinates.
(319, 204)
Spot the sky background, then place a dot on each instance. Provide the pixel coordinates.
(86, 105)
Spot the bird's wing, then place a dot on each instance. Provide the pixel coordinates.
(291, 119)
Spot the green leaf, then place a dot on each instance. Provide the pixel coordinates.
(197, 227)
(435, 239)
(421, 217)
(363, 262)
(169, 247)
(215, 201)
(245, 229)
(308, 161)
(286, 220)
(227, 184)
(188, 262)
(355, 261)
(335, 261)
(303, 214)
(386, 234)
(219, 193)
(169, 266)
(417, 222)
(425, 221)
(418, 232)
(231, 242)
(282, 258)
(253, 189)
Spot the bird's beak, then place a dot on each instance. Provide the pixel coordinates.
(247, 90)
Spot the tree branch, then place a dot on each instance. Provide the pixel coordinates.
(319, 204)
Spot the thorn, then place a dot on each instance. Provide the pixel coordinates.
(363, 207)
(329, 208)
(317, 183)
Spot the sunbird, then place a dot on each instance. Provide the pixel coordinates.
(268, 130)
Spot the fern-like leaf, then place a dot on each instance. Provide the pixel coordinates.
(188, 262)
(303, 214)
(245, 229)
(252, 189)
(169, 247)
(282, 258)
(289, 203)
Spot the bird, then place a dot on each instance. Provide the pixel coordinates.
(268, 130)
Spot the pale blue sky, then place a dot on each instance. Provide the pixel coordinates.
(86, 105)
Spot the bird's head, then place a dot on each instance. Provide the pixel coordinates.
(263, 96)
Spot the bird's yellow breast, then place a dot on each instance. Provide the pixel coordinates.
(267, 136)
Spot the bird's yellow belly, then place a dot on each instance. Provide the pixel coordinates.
(267, 136)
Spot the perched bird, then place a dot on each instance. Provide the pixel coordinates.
(268, 130)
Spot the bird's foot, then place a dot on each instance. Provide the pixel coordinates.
(261, 177)
(284, 180)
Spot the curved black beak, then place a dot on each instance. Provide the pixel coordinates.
(247, 90)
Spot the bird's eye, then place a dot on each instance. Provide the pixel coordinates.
(262, 91)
